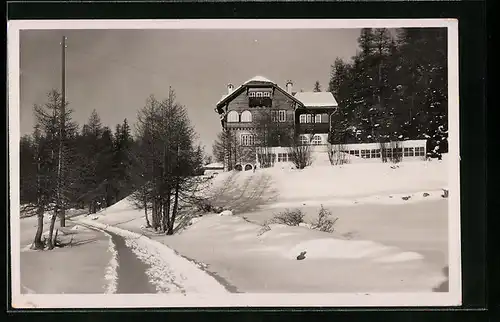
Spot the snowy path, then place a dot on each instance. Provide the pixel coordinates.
(131, 271)
(147, 266)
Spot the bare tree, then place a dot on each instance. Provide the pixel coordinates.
(269, 133)
(300, 152)
(338, 155)
(227, 149)
(169, 161)
(53, 121)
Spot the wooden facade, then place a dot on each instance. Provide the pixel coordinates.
(241, 109)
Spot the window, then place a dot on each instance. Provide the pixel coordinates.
(303, 140)
(274, 116)
(408, 152)
(246, 116)
(302, 118)
(356, 153)
(420, 151)
(267, 94)
(375, 153)
(324, 118)
(233, 116)
(317, 118)
(365, 154)
(251, 94)
(317, 140)
(247, 139)
(282, 116)
(282, 157)
(308, 118)
(290, 157)
(388, 153)
(259, 94)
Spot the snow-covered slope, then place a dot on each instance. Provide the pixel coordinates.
(377, 247)
(324, 182)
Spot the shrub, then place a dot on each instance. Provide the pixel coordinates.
(300, 155)
(289, 217)
(265, 228)
(324, 222)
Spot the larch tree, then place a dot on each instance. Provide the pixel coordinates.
(168, 159)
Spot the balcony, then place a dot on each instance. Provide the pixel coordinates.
(305, 128)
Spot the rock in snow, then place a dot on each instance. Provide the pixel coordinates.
(301, 256)
(226, 213)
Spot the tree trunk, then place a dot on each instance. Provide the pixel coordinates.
(166, 213)
(37, 242)
(145, 203)
(51, 231)
(175, 209)
(62, 217)
(154, 215)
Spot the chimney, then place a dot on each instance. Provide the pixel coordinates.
(289, 87)
(230, 88)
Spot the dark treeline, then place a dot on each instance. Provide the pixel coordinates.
(64, 165)
(394, 88)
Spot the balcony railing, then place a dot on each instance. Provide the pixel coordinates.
(304, 128)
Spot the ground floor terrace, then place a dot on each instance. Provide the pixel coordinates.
(397, 151)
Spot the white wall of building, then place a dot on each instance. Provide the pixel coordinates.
(412, 150)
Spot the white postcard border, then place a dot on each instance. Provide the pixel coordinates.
(451, 298)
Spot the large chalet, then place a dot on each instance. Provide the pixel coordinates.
(308, 114)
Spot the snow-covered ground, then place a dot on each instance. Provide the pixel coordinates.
(391, 234)
(59, 271)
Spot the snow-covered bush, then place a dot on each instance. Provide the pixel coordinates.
(226, 213)
(300, 155)
(324, 222)
(265, 228)
(289, 217)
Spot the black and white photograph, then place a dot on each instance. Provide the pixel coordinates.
(234, 163)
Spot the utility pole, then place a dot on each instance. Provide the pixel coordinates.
(61, 205)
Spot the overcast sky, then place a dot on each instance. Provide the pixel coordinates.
(114, 71)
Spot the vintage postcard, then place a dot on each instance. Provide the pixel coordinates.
(234, 163)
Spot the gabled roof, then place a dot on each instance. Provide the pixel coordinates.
(256, 79)
(316, 99)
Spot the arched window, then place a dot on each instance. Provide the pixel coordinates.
(233, 116)
(246, 116)
(317, 140)
(303, 139)
(317, 118)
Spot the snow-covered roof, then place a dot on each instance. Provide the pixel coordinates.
(258, 79)
(214, 165)
(316, 99)
(253, 79)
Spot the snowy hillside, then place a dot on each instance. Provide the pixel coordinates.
(392, 224)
